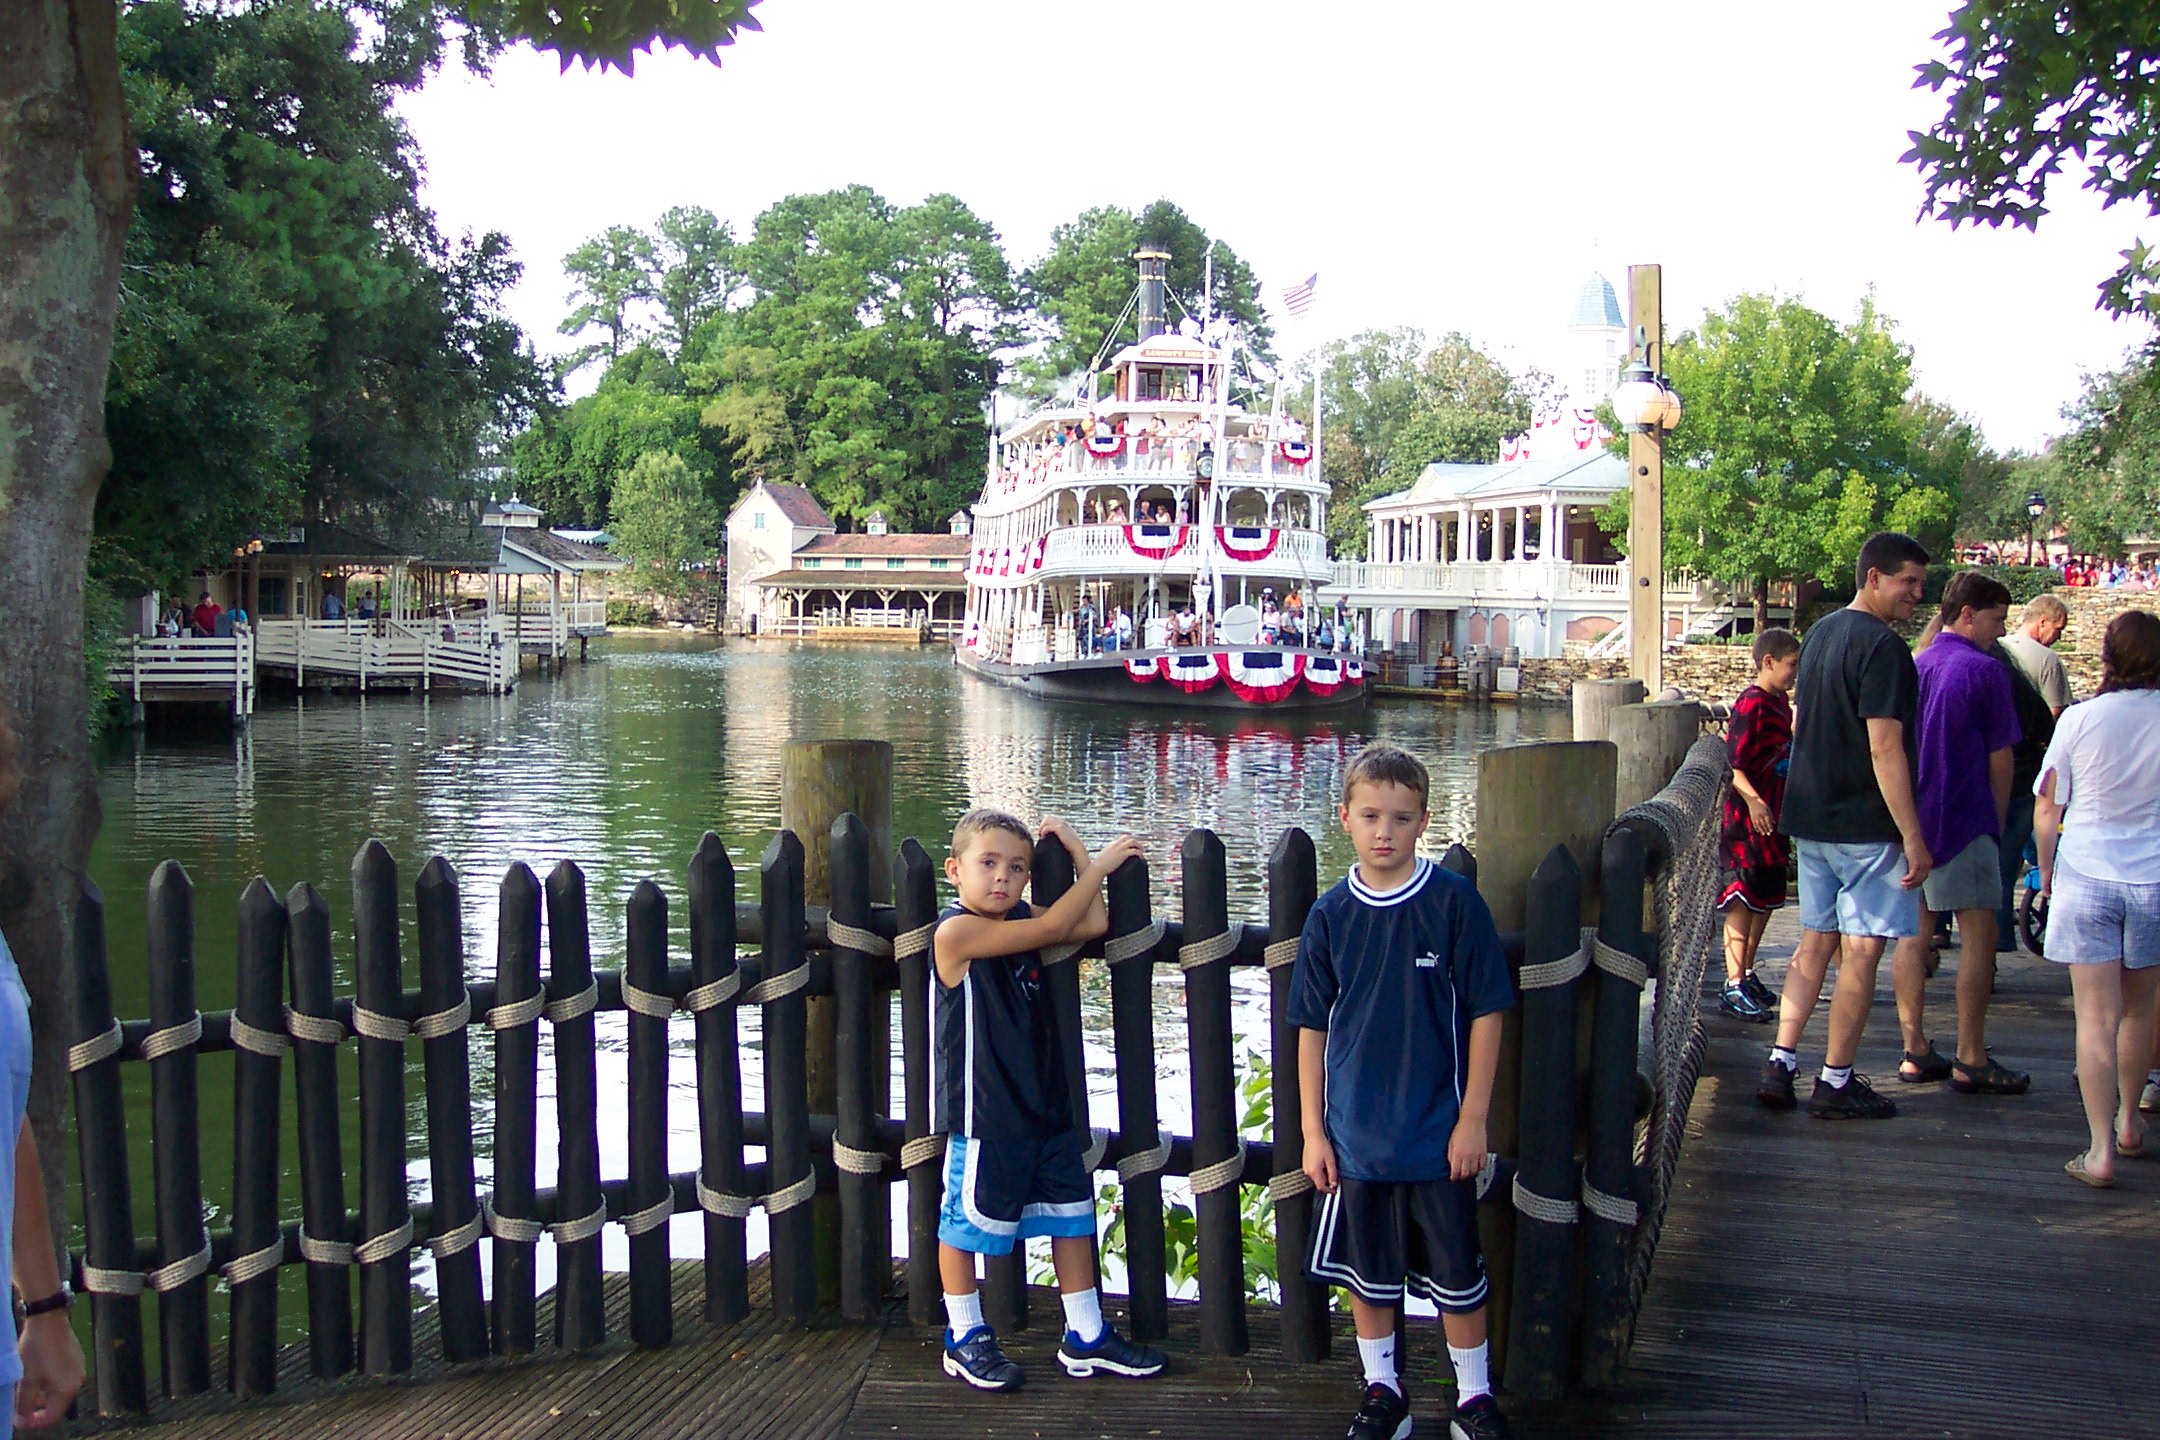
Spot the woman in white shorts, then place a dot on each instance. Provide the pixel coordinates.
(2097, 817)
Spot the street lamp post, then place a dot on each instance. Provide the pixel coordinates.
(2035, 507)
(1647, 408)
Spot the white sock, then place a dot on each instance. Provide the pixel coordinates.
(1837, 1075)
(2153, 1076)
(1471, 1379)
(1083, 1314)
(1790, 1059)
(1379, 1358)
(963, 1312)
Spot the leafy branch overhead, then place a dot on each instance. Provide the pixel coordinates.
(2034, 86)
(607, 33)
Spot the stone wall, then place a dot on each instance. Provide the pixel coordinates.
(2090, 611)
(1704, 672)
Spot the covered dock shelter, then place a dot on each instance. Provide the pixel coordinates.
(547, 589)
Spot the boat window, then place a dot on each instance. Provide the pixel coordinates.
(1151, 383)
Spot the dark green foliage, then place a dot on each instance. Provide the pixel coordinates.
(631, 612)
(2023, 581)
(2102, 480)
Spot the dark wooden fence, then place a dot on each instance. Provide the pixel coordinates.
(1567, 1278)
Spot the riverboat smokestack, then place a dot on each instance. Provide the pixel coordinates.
(1152, 320)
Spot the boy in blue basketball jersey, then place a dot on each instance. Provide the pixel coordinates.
(1014, 1165)
(1398, 990)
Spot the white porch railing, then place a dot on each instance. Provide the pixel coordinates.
(392, 651)
(153, 667)
(1096, 549)
(1501, 579)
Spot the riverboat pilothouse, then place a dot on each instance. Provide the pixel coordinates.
(1152, 541)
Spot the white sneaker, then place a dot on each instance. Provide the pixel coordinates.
(2149, 1102)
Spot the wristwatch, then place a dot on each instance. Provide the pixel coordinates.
(59, 1300)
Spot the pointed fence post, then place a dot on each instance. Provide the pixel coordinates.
(865, 1244)
(715, 983)
(1541, 1316)
(325, 1231)
(116, 1338)
(1131, 948)
(446, 1054)
(791, 1181)
(915, 909)
(183, 1248)
(580, 1316)
(1218, 1152)
(515, 1019)
(1293, 886)
(650, 1199)
(385, 1218)
(259, 1043)
(1608, 1238)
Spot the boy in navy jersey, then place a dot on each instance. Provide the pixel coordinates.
(1398, 989)
(1014, 1166)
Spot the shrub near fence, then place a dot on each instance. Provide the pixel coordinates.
(1574, 1283)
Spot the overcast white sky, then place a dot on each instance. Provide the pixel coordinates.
(1449, 165)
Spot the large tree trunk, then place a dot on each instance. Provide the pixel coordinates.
(67, 182)
(1762, 603)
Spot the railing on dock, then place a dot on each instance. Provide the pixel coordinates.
(1573, 1280)
(217, 670)
(392, 652)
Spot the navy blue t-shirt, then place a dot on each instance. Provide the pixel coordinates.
(1395, 980)
(997, 1067)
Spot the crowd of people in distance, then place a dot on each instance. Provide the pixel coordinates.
(208, 620)
(1912, 784)
(2104, 574)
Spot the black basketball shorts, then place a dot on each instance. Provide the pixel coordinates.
(1375, 1237)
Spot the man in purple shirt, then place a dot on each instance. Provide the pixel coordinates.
(1967, 727)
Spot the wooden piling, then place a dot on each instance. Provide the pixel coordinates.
(580, 1319)
(176, 1138)
(915, 905)
(326, 1233)
(1610, 1169)
(1293, 886)
(385, 1218)
(259, 1007)
(1542, 1314)
(651, 1199)
(515, 1019)
(116, 1338)
(789, 1219)
(865, 1249)
(445, 1054)
(1217, 1147)
(1132, 1022)
(719, 1076)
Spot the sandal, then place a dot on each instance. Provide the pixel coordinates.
(2075, 1169)
(1928, 1067)
(2139, 1151)
(1988, 1079)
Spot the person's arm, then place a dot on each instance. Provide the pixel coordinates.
(52, 1358)
(967, 938)
(1467, 1147)
(2000, 770)
(1737, 734)
(1095, 922)
(1893, 777)
(1312, 1108)
(2047, 830)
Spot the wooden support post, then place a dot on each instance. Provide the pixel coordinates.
(513, 1322)
(116, 1338)
(580, 1315)
(1646, 491)
(1530, 798)
(1053, 874)
(318, 1101)
(1293, 886)
(1607, 1316)
(914, 906)
(1541, 1320)
(258, 1001)
(650, 1200)
(379, 988)
(1132, 1023)
(175, 1134)
(1210, 1045)
(793, 1266)
(448, 1069)
(719, 1078)
(821, 780)
(865, 1248)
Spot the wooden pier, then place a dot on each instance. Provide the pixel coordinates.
(164, 670)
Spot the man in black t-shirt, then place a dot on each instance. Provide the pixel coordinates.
(1849, 807)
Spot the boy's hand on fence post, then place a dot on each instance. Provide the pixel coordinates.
(1066, 836)
(1320, 1163)
(1116, 853)
(1466, 1148)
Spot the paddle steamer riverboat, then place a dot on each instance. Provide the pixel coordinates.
(1155, 493)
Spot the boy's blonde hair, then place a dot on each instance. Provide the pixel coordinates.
(982, 819)
(1383, 764)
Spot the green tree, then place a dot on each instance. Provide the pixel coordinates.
(2102, 480)
(2033, 86)
(1795, 443)
(696, 271)
(662, 516)
(610, 275)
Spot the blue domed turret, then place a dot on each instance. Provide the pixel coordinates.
(1597, 305)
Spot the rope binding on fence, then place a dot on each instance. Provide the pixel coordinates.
(1120, 948)
(1208, 951)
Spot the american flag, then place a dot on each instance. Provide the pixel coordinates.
(1298, 298)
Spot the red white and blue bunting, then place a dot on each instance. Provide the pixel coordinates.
(1155, 542)
(1192, 672)
(1105, 445)
(1296, 452)
(1246, 543)
(1145, 668)
(1324, 675)
(1259, 677)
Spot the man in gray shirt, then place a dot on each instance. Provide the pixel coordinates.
(2041, 625)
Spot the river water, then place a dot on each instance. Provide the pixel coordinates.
(621, 765)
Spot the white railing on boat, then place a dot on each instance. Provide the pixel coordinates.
(1166, 462)
(1302, 553)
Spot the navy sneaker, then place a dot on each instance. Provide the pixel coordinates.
(1480, 1419)
(1735, 1001)
(1384, 1415)
(1776, 1090)
(1854, 1100)
(1111, 1352)
(977, 1359)
(1760, 993)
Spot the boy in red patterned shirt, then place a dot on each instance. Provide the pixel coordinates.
(1759, 739)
